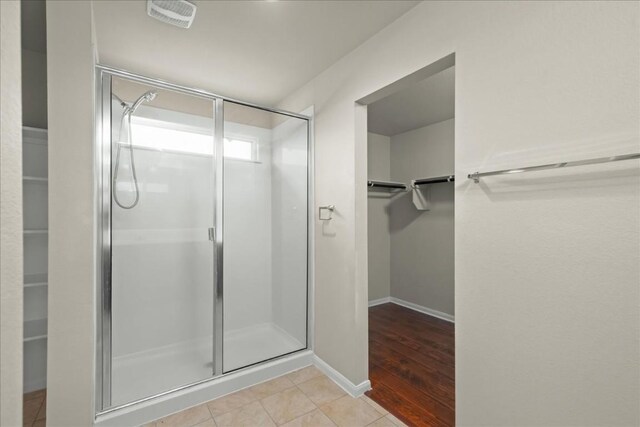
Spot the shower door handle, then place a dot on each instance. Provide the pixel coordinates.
(212, 234)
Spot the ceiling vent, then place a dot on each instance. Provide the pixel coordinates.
(175, 12)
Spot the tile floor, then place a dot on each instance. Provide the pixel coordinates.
(302, 398)
(34, 408)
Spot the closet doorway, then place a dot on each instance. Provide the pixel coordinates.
(411, 249)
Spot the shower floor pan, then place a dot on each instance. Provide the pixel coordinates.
(144, 374)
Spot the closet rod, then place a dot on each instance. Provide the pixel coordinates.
(477, 175)
(387, 184)
(434, 180)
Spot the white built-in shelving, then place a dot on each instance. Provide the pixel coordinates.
(35, 329)
(36, 239)
(34, 179)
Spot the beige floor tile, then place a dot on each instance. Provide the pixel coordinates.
(208, 423)
(350, 412)
(30, 411)
(375, 405)
(251, 415)
(395, 420)
(40, 423)
(268, 388)
(313, 419)
(304, 374)
(151, 424)
(382, 422)
(287, 405)
(321, 390)
(230, 402)
(187, 418)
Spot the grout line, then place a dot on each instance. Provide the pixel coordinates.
(210, 413)
(327, 402)
(301, 415)
(367, 401)
(328, 416)
(375, 409)
(265, 410)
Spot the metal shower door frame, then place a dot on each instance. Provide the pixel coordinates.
(102, 188)
(104, 293)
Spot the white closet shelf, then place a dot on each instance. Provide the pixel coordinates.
(38, 179)
(35, 231)
(33, 280)
(35, 330)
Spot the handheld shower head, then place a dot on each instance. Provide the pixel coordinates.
(146, 97)
(150, 96)
(126, 117)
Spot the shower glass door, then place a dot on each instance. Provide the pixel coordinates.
(202, 237)
(265, 235)
(162, 206)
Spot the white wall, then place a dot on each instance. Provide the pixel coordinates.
(422, 251)
(379, 253)
(547, 264)
(10, 216)
(71, 346)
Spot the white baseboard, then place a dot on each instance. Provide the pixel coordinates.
(379, 301)
(412, 306)
(341, 380)
(424, 310)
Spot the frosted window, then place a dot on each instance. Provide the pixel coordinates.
(239, 149)
(168, 139)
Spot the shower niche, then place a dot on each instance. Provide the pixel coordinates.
(203, 244)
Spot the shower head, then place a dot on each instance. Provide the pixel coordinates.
(146, 97)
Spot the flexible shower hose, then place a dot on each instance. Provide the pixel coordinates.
(133, 166)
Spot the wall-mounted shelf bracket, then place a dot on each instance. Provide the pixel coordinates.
(421, 197)
(422, 190)
(387, 186)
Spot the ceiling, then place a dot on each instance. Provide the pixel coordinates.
(423, 104)
(255, 51)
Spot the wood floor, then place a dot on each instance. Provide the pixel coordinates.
(34, 408)
(411, 365)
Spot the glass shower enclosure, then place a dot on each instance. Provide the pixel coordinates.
(203, 236)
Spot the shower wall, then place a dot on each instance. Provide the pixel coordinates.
(158, 246)
(163, 308)
(247, 217)
(289, 224)
(162, 258)
(265, 238)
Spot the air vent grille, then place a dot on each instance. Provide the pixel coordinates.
(175, 12)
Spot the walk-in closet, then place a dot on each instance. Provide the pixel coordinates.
(411, 250)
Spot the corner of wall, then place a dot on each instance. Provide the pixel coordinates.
(11, 255)
(71, 335)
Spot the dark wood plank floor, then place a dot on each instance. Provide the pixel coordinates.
(411, 365)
